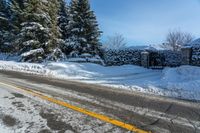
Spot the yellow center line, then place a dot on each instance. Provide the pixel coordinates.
(78, 109)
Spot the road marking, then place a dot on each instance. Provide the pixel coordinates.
(78, 109)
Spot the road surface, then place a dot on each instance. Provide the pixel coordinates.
(23, 112)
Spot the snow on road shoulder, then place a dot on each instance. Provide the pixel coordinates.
(24, 67)
(181, 82)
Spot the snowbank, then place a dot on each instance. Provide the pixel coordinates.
(24, 67)
(184, 80)
(181, 82)
(181, 74)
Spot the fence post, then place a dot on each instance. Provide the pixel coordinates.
(145, 59)
(186, 55)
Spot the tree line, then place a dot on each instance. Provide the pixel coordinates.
(48, 29)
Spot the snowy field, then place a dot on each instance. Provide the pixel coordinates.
(181, 82)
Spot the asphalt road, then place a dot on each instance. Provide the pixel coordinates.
(147, 112)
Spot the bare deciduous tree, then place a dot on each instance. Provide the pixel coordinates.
(176, 39)
(116, 41)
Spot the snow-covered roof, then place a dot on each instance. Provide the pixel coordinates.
(195, 43)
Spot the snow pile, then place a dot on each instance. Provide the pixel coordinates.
(95, 72)
(181, 82)
(184, 80)
(24, 67)
(181, 74)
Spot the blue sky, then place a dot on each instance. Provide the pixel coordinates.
(147, 21)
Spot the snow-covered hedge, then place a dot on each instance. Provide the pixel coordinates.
(133, 56)
(122, 57)
(195, 56)
(172, 58)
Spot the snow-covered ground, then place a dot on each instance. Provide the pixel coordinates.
(181, 82)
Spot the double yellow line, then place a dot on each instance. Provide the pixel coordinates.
(78, 109)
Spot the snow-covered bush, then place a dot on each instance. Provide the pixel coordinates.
(35, 55)
(56, 55)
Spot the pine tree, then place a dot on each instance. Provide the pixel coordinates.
(63, 20)
(17, 9)
(17, 18)
(84, 28)
(5, 27)
(63, 23)
(4, 15)
(55, 41)
(40, 28)
(37, 38)
(33, 33)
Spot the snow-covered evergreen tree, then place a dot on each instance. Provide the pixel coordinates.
(63, 23)
(17, 8)
(4, 15)
(33, 33)
(53, 45)
(38, 37)
(63, 20)
(84, 28)
(44, 29)
(17, 12)
(5, 27)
